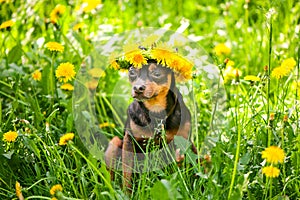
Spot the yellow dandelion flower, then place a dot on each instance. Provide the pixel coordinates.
(279, 72)
(112, 61)
(231, 73)
(78, 26)
(7, 24)
(229, 63)
(136, 58)
(96, 72)
(57, 12)
(67, 86)
(162, 53)
(115, 65)
(271, 172)
(175, 62)
(65, 138)
(90, 5)
(65, 72)
(54, 46)
(56, 188)
(221, 49)
(92, 85)
(37, 75)
(54, 198)
(107, 124)
(19, 190)
(273, 154)
(289, 64)
(186, 69)
(285, 118)
(186, 75)
(272, 116)
(251, 78)
(10, 136)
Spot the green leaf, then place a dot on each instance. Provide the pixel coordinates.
(45, 79)
(69, 122)
(160, 190)
(8, 154)
(14, 54)
(84, 44)
(182, 143)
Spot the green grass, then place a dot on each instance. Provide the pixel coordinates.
(253, 116)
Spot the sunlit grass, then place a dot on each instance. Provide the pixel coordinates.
(255, 44)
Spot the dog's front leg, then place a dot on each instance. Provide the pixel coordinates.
(127, 161)
(113, 154)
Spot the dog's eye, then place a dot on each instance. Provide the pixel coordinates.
(132, 72)
(156, 74)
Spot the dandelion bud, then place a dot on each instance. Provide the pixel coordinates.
(226, 60)
(47, 126)
(19, 191)
(237, 76)
(207, 158)
(237, 73)
(272, 116)
(285, 118)
(139, 23)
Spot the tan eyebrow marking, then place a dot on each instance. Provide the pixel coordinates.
(152, 66)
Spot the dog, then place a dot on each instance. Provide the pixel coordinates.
(157, 107)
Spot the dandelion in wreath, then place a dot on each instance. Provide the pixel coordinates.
(136, 55)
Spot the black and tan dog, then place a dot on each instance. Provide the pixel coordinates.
(157, 103)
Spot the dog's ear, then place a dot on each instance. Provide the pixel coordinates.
(173, 84)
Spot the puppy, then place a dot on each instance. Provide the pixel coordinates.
(157, 108)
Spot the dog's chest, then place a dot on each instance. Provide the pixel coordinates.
(143, 135)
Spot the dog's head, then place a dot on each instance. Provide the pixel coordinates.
(151, 82)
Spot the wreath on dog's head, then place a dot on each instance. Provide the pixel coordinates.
(137, 55)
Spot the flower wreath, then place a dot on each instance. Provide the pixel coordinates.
(137, 55)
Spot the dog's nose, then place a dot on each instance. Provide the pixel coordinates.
(139, 88)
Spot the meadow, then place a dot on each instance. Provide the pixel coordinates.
(58, 108)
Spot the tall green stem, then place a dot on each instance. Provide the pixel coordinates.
(106, 182)
(51, 81)
(269, 133)
(237, 153)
